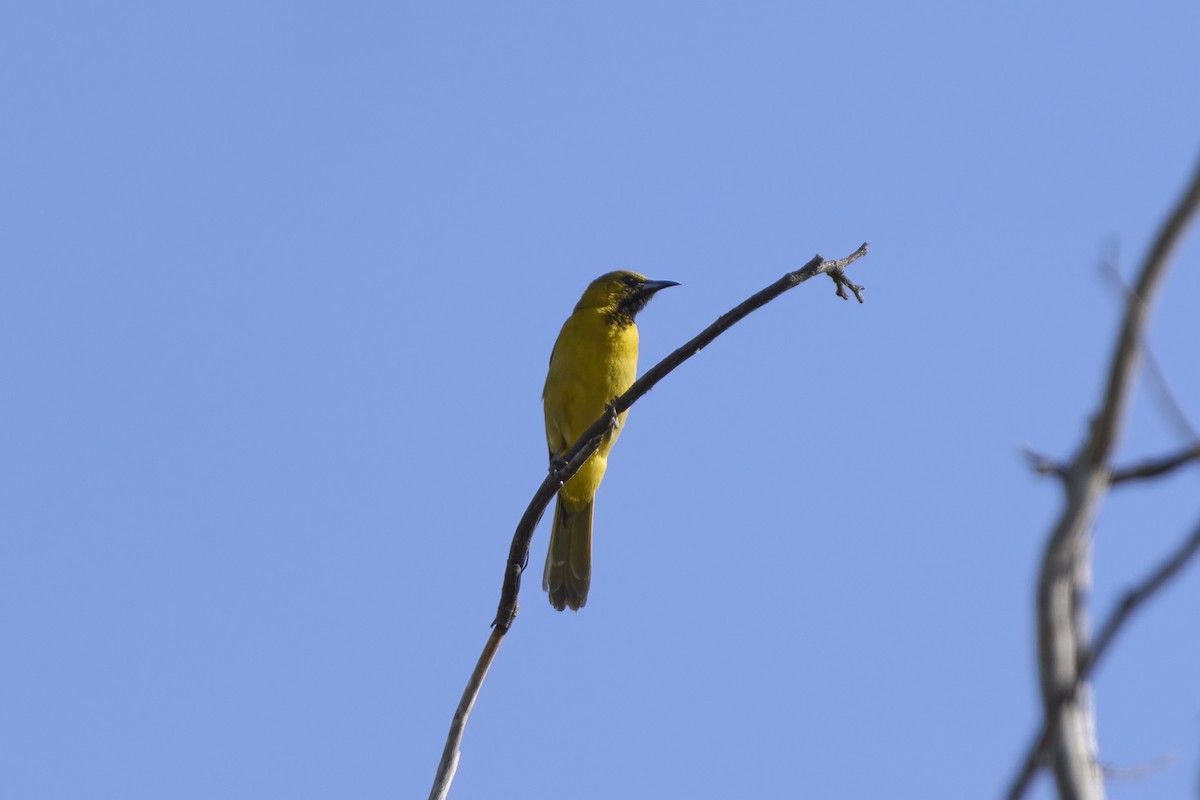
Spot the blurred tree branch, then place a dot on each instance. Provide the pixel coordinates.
(1131, 601)
(563, 470)
(1066, 654)
(1143, 470)
(1156, 467)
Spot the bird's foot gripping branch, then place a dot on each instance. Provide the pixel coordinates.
(563, 468)
(614, 418)
(558, 471)
(568, 463)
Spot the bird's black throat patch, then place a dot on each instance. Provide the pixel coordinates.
(629, 307)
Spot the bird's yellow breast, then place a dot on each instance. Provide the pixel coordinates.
(594, 361)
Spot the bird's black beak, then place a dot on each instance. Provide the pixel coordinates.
(638, 296)
(650, 287)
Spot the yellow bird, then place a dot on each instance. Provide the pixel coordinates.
(594, 361)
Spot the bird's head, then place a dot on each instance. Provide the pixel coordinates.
(624, 293)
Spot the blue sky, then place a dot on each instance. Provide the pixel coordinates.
(280, 285)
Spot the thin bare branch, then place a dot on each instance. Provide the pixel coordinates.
(450, 753)
(1171, 408)
(1135, 597)
(1154, 467)
(564, 469)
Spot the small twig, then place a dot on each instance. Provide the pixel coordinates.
(1139, 771)
(565, 468)
(1131, 601)
(1149, 468)
(450, 753)
(1171, 408)
(843, 283)
(1043, 464)
(1153, 467)
(1137, 596)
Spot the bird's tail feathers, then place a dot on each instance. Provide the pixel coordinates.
(569, 559)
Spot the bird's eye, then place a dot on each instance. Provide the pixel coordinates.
(629, 281)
